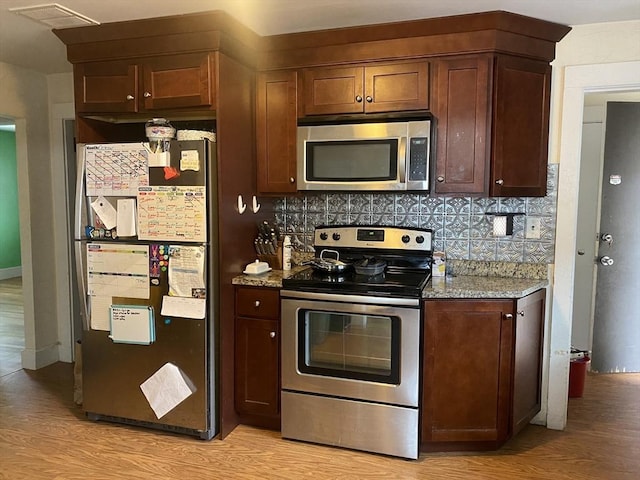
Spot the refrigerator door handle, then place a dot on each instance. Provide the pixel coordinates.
(81, 275)
(78, 227)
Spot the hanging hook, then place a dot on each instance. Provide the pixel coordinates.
(241, 205)
(256, 205)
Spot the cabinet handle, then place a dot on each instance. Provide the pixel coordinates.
(369, 99)
(130, 97)
(508, 316)
(440, 179)
(292, 180)
(257, 303)
(521, 313)
(147, 94)
(499, 181)
(358, 99)
(272, 334)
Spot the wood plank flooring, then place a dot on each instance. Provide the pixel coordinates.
(43, 435)
(11, 325)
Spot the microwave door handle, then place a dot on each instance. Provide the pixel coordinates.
(403, 163)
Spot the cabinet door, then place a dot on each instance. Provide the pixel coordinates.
(527, 374)
(328, 91)
(467, 371)
(461, 107)
(178, 81)
(106, 87)
(520, 127)
(276, 132)
(397, 87)
(257, 386)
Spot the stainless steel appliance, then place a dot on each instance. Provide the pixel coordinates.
(351, 342)
(364, 156)
(145, 238)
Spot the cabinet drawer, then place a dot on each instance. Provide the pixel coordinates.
(258, 302)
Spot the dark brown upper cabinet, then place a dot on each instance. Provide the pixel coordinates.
(155, 83)
(493, 125)
(276, 103)
(394, 87)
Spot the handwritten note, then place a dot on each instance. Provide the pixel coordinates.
(172, 213)
(115, 169)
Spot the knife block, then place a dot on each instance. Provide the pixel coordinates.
(274, 261)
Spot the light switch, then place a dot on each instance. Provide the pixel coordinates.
(532, 227)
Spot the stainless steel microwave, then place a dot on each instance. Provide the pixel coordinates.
(364, 156)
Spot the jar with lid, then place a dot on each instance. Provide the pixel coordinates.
(159, 132)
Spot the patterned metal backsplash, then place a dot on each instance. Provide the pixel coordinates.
(460, 225)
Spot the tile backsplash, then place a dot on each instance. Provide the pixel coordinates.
(460, 225)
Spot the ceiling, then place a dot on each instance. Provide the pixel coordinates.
(29, 44)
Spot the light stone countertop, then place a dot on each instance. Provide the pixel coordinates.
(460, 286)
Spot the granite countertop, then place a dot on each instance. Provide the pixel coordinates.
(459, 286)
(468, 286)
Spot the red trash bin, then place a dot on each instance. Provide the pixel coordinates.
(577, 375)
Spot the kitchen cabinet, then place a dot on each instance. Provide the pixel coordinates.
(145, 85)
(257, 353)
(393, 87)
(493, 121)
(276, 124)
(481, 371)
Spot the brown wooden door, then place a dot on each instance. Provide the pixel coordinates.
(276, 124)
(466, 372)
(257, 391)
(527, 372)
(257, 338)
(178, 82)
(106, 87)
(520, 127)
(329, 91)
(397, 87)
(461, 107)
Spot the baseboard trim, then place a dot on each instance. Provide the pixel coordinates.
(35, 359)
(10, 272)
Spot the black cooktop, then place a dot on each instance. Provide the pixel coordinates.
(388, 284)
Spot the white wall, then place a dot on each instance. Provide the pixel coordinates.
(25, 99)
(597, 57)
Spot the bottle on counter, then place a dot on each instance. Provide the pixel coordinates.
(286, 253)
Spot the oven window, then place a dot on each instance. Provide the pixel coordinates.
(347, 161)
(345, 345)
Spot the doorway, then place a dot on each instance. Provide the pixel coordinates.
(12, 338)
(578, 81)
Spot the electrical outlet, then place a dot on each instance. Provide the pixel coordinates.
(532, 227)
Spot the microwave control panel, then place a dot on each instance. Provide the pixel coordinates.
(418, 159)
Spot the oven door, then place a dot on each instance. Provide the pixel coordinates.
(359, 351)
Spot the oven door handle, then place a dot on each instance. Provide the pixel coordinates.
(338, 297)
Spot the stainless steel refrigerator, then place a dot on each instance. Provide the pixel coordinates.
(145, 248)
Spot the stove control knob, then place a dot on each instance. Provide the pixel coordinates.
(323, 236)
(336, 236)
(405, 239)
(420, 239)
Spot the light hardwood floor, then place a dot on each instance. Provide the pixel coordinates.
(11, 325)
(44, 435)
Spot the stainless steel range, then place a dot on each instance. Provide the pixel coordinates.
(351, 340)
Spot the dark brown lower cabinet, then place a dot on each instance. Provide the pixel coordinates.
(481, 371)
(257, 356)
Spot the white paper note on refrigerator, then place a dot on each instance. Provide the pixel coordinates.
(100, 319)
(186, 271)
(166, 389)
(105, 211)
(126, 219)
(118, 270)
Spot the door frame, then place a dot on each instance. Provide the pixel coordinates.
(578, 80)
